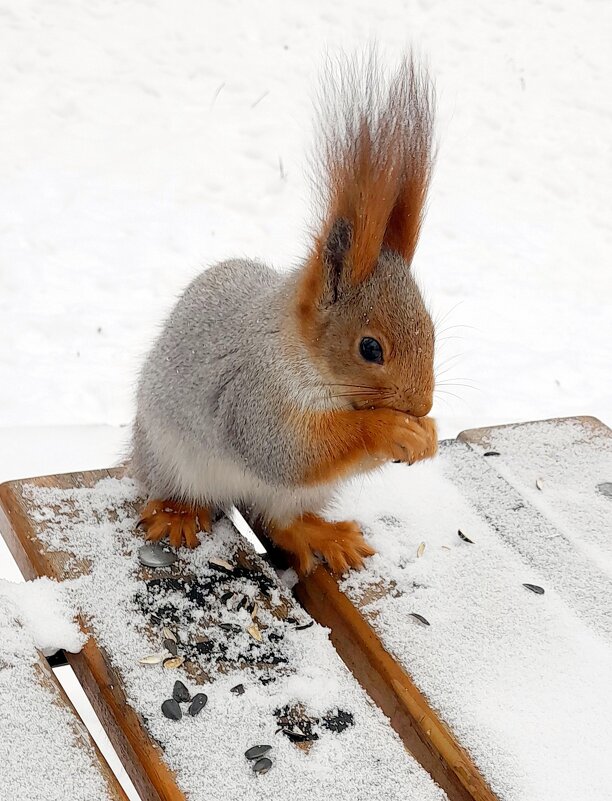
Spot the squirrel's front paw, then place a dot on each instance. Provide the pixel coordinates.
(399, 437)
(176, 520)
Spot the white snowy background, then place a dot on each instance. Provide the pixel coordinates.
(142, 140)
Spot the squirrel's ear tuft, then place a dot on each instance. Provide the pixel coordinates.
(375, 162)
(334, 256)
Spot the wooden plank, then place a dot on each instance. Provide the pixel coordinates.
(100, 674)
(141, 757)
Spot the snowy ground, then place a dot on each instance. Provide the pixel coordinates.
(140, 141)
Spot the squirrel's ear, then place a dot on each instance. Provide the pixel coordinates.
(404, 225)
(334, 256)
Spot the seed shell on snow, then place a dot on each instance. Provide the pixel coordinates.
(171, 709)
(420, 618)
(180, 693)
(173, 662)
(238, 689)
(221, 564)
(170, 645)
(257, 751)
(539, 484)
(197, 704)
(464, 538)
(492, 453)
(304, 626)
(169, 634)
(262, 765)
(420, 550)
(152, 659)
(254, 631)
(535, 588)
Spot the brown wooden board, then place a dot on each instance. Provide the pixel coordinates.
(22, 524)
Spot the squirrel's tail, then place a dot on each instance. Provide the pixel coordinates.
(375, 159)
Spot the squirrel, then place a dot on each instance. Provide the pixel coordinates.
(265, 390)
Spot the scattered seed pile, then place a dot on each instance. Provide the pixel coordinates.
(43, 753)
(216, 628)
(499, 636)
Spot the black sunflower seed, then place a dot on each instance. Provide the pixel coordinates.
(420, 618)
(492, 453)
(170, 645)
(464, 538)
(262, 765)
(304, 626)
(198, 703)
(180, 692)
(535, 588)
(257, 751)
(171, 709)
(238, 690)
(230, 627)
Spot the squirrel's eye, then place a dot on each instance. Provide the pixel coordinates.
(371, 350)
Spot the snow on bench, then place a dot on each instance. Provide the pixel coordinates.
(484, 601)
(45, 751)
(220, 621)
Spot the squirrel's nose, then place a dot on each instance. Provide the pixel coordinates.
(419, 407)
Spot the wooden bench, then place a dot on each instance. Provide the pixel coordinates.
(424, 630)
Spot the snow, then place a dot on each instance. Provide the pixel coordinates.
(44, 750)
(207, 752)
(141, 141)
(521, 679)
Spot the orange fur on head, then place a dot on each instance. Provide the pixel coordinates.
(376, 158)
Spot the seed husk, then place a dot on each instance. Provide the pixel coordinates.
(168, 634)
(492, 453)
(539, 484)
(420, 618)
(170, 645)
(464, 538)
(535, 588)
(197, 704)
(262, 765)
(171, 709)
(221, 564)
(238, 689)
(304, 626)
(255, 610)
(180, 693)
(257, 751)
(420, 550)
(605, 488)
(173, 662)
(152, 659)
(230, 627)
(254, 631)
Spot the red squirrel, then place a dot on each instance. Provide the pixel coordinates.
(266, 389)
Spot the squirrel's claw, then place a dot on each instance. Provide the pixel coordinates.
(178, 521)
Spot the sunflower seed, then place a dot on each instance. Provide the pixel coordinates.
(605, 488)
(171, 709)
(170, 645)
(304, 626)
(226, 597)
(257, 751)
(464, 538)
(255, 610)
(173, 662)
(221, 564)
(255, 632)
(238, 689)
(420, 550)
(152, 659)
(539, 484)
(154, 555)
(420, 618)
(262, 766)
(197, 704)
(180, 692)
(169, 634)
(492, 453)
(534, 588)
(230, 627)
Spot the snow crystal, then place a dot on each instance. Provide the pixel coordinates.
(522, 679)
(367, 760)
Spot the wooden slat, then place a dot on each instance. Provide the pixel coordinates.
(141, 757)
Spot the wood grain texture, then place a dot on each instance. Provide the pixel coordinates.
(481, 436)
(141, 757)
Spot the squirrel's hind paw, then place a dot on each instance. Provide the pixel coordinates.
(176, 520)
(341, 544)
